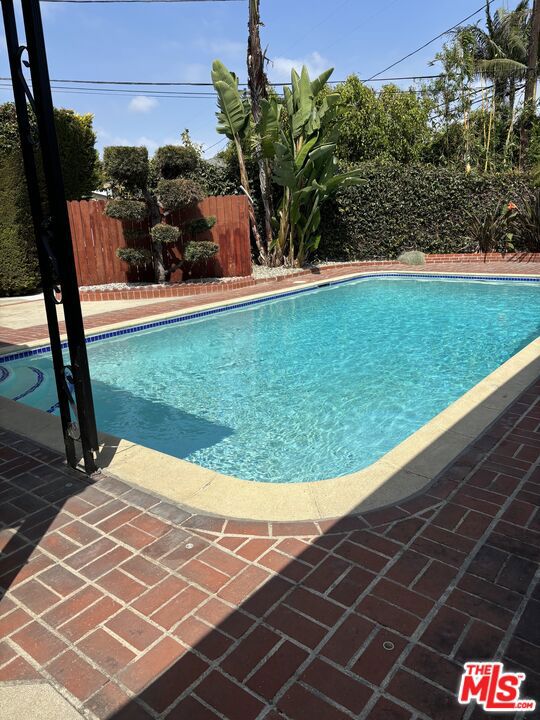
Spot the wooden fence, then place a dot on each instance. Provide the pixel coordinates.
(96, 238)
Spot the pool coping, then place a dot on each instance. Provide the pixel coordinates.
(403, 471)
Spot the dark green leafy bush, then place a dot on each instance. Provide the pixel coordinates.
(200, 251)
(489, 231)
(167, 234)
(525, 223)
(137, 257)
(135, 210)
(201, 224)
(174, 161)
(404, 206)
(81, 169)
(179, 194)
(19, 273)
(126, 168)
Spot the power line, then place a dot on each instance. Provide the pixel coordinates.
(440, 35)
(209, 84)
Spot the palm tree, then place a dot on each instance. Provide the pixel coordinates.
(500, 54)
(500, 51)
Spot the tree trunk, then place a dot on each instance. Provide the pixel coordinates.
(157, 248)
(530, 85)
(258, 90)
(244, 180)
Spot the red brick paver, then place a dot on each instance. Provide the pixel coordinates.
(369, 616)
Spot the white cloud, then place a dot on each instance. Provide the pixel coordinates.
(142, 104)
(221, 46)
(280, 67)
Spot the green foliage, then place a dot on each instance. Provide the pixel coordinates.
(525, 223)
(200, 251)
(489, 230)
(178, 194)
(76, 141)
(122, 209)
(201, 224)
(19, 273)
(412, 257)
(138, 257)
(166, 234)
(412, 205)
(126, 168)
(393, 124)
(173, 161)
(81, 168)
(234, 111)
(304, 155)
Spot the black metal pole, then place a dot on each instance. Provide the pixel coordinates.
(53, 236)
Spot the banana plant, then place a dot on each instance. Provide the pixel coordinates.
(305, 165)
(234, 121)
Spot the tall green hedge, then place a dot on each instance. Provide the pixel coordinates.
(411, 207)
(18, 258)
(81, 170)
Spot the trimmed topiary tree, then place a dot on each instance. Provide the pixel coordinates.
(178, 194)
(165, 234)
(128, 172)
(121, 209)
(173, 161)
(126, 168)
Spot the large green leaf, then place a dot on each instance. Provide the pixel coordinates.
(268, 126)
(318, 84)
(233, 116)
(300, 158)
(303, 101)
(284, 173)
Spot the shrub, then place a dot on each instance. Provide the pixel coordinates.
(126, 168)
(200, 251)
(173, 161)
(178, 194)
(167, 234)
(412, 257)
(81, 168)
(19, 272)
(410, 205)
(525, 224)
(126, 210)
(490, 231)
(134, 256)
(201, 224)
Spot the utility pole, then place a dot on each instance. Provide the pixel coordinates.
(529, 98)
(258, 91)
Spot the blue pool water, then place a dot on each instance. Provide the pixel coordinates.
(305, 387)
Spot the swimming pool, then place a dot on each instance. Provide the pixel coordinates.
(305, 387)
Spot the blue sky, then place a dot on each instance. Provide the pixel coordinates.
(179, 41)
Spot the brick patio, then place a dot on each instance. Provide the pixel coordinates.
(135, 608)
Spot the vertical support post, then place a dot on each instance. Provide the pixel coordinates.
(53, 236)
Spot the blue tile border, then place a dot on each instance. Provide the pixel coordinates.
(246, 303)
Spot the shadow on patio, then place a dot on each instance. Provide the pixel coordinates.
(140, 609)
